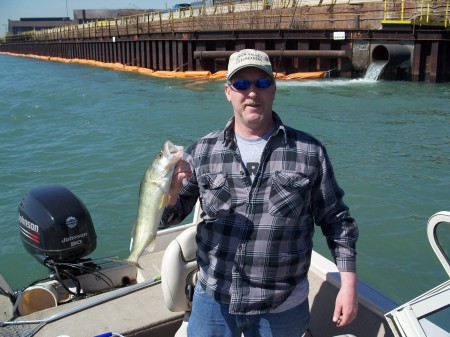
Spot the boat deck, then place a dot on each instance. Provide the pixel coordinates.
(138, 314)
(143, 313)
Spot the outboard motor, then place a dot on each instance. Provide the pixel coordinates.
(56, 228)
(55, 225)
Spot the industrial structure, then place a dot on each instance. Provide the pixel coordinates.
(23, 25)
(343, 38)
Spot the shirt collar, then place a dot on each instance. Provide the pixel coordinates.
(279, 128)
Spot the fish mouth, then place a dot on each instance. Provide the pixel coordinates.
(174, 151)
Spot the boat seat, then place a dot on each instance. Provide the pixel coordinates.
(179, 275)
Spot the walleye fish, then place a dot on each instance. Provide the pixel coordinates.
(153, 196)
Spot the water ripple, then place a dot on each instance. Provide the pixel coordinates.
(96, 130)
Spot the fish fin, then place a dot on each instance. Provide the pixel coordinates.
(131, 244)
(156, 182)
(132, 238)
(164, 200)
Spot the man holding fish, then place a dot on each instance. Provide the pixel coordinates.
(262, 187)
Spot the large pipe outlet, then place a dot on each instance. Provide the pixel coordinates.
(393, 54)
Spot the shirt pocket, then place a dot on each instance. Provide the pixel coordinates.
(288, 194)
(215, 193)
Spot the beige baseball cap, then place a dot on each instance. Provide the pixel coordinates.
(249, 58)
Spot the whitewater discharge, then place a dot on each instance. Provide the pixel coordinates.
(372, 75)
(374, 70)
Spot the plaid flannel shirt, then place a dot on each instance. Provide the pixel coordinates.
(255, 239)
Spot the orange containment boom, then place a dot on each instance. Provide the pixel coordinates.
(201, 74)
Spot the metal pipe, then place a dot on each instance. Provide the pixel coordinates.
(211, 54)
(393, 54)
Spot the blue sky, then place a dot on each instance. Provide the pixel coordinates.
(16, 9)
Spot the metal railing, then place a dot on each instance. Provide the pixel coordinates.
(255, 15)
(425, 12)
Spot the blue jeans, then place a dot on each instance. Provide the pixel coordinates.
(210, 318)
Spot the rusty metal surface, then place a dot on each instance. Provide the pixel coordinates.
(303, 37)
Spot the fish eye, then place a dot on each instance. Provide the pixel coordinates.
(160, 154)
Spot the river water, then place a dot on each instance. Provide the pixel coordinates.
(96, 130)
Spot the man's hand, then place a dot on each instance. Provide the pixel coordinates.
(182, 171)
(346, 306)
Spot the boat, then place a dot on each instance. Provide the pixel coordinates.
(122, 300)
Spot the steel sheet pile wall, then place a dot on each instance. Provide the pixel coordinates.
(305, 33)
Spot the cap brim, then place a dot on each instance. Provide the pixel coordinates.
(267, 71)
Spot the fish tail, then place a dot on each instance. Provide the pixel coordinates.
(151, 246)
(133, 263)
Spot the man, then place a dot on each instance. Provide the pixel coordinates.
(262, 187)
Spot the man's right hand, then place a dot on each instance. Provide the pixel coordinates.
(182, 171)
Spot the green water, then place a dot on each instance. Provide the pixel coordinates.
(96, 130)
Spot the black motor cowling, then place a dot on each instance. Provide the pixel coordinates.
(55, 224)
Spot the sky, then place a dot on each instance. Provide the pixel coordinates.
(16, 9)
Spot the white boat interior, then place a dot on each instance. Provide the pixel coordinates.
(151, 301)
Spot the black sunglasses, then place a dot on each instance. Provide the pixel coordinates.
(262, 83)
